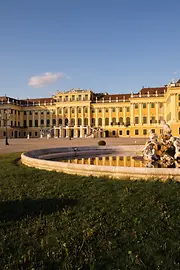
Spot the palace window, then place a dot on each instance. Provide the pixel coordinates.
(179, 130)
(127, 121)
(60, 111)
(113, 109)
(42, 122)
(30, 123)
(42, 112)
(54, 122)
(144, 105)
(179, 96)
(79, 110)
(136, 106)
(86, 121)
(114, 133)
(127, 109)
(120, 109)
(85, 110)
(36, 123)
(144, 131)
(106, 121)
(152, 105)
(86, 97)
(66, 98)
(100, 122)
(48, 122)
(93, 110)
(66, 122)
(60, 121)
(114, 121)
(107, 110)
(79, 121)
(136, 132)
(153, 120)
(93, 121)
(136, 120)
(35, 133)
(160, 105)
(73, 98)
(79, 97)
(66, 110)
(72, 110)
(100, 110)
(127, 132)
(120, 132)
(121, 121)
(24, 113)
(153, 130)
(144, 120)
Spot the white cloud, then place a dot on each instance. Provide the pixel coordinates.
(176, 72)
(39, 81)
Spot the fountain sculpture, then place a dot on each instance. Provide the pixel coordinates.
(162, 150)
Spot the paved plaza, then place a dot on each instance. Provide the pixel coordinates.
(21, 145)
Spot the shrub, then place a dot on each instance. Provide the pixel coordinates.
(101, 143)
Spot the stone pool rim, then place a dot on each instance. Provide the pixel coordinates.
(37, 159)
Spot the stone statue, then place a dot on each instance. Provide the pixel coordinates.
(163, 149)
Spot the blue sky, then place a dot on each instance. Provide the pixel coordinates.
(112, 46)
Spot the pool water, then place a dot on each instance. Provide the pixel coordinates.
(112, 160)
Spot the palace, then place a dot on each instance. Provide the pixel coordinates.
(83, 113)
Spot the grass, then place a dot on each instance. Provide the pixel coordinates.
(52, 220)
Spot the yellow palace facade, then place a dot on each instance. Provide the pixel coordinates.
(83, 113)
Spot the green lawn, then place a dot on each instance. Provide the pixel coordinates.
(52, 220)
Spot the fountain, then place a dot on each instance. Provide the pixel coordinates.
(159, 158)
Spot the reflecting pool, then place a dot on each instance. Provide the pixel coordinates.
(113, 160)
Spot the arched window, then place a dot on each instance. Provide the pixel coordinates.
(36, 123)
(54, 122)
(60, 121)
(85, 121)
(114, 120)
(72, 122)
(48, 122)
(128, 121)
(100, 122)
(106, 121)
(42, 122)
(114, 133)
(79, 121)
(93, 121)
(66, 122)
(121, 121)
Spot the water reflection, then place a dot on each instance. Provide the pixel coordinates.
(115, 160)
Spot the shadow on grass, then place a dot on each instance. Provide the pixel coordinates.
(17, 161)
(17, 210)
